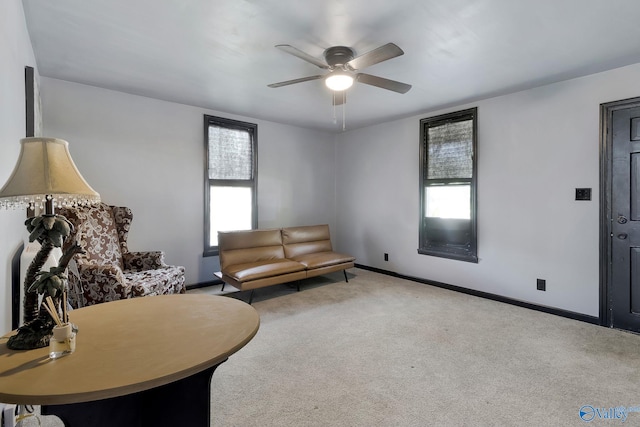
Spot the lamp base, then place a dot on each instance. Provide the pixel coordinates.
(35, 334)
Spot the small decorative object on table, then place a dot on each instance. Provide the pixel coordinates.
(63, 341)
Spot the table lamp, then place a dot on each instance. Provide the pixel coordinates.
(44, 177)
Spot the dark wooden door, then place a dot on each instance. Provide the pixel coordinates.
(624, 291)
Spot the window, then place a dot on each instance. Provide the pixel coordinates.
(230, 178)
(448, 201)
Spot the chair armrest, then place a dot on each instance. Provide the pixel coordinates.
(141, 261)
(102, 283)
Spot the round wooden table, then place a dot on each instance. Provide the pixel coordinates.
(142, 361)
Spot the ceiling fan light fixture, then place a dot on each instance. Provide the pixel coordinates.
(339, 81)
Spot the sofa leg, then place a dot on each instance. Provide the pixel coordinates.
(251, 296)
(298, 285)
(222, 289)
(345, 276)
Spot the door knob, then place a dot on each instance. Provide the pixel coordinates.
(622, 219)
(622, 236)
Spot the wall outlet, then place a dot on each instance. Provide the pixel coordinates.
(541, 284)
(386, 257)
(583, 194)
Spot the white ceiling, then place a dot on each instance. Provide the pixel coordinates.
(220, 54)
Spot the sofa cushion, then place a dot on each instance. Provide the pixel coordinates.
(92, 284)
(230, 240)
(322, 259)
(306, 233)
(161, 281)
(303, 240)
(241, 247)
(261, 269)
(244, 256)
(96, 232)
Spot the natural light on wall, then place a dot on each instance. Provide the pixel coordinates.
(233, 210)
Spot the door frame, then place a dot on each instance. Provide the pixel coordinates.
(606, 170)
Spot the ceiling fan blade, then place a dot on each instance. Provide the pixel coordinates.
(291, 82)
(383, 83)
(339, 98)
(302, 55)
(375, 56)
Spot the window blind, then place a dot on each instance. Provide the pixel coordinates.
(450, 150)
(230, 154)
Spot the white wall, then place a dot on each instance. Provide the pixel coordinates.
(15, 54)
(149, 155)
(534, 148)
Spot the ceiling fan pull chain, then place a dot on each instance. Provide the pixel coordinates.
(333, 95)
(344, 111)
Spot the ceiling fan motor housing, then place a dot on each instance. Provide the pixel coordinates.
(338, 56)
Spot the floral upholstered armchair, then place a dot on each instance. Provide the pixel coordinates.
(108, 271)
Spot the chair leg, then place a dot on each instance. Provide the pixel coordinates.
(345, 276)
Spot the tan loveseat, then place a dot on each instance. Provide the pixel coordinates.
(256, 258)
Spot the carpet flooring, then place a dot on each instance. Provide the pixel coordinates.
(382, 351)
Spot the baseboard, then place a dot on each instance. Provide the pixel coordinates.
(551, 310)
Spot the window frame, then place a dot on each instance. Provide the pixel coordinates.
(449, 250)
(252, 183)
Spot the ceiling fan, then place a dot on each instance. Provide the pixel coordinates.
(343, 66)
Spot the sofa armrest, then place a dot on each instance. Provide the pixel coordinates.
(102, 283)
(141, 261)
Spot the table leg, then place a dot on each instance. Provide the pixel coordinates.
(181, 403)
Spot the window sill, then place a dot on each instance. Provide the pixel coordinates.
(450, 253)
(210, 252)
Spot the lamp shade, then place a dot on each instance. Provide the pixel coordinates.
(45, 170)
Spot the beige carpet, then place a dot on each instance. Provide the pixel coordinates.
(381, 351)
